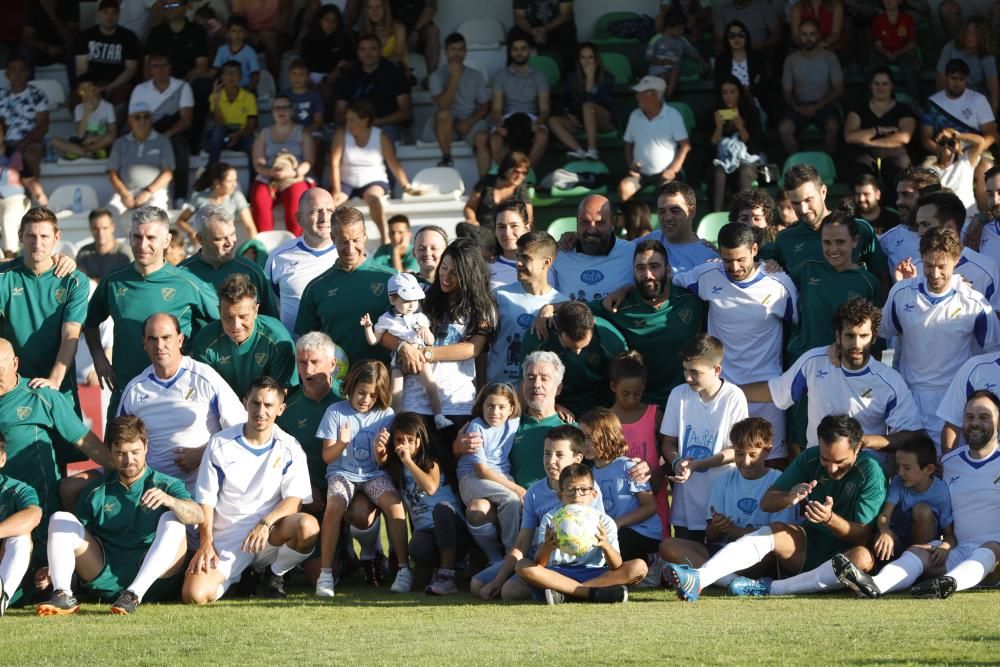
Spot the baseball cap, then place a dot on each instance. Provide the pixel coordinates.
(405, 286)
(138, 106)
(650, 82)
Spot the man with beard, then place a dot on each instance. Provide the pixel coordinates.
(861, 387)
(868, 204)
(840, 490)
(656, 319)
(812, 82)
(902, 241)
(981, 372)
(989, 238)
(969, 558)
(747, 310)
(519, 90)
(597, 264)
(940, 322)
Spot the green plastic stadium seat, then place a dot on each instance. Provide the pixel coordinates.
(560, 226)
(619, 67)
(580, 166)
(708, 228)
(687, 113)
(547, 66)
(602, 35)
(818, 159)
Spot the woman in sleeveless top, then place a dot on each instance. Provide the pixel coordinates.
(280, 182)
(359, 155)
(378, 21)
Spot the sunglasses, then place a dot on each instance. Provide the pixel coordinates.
(142, 116)
(737, 34)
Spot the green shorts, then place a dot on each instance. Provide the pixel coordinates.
(820, 547)
(121, 568)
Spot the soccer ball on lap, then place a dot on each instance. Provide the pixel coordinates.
(340, 370)
(576, 528)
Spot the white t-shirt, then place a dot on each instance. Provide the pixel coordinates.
(655, 140)
(455, 380)
(502, 272)
(875, 395)
(975, 495)
(99, 120)
(739, 498)
(702, 430)
(979, 372)
(937, 333)
(586, 277)
(403, 327)
(971, 108)
(244, 483)
(517, 313)
(290, 268)
(181, 412)
(147, 92)
(979, 271)
(357, 462)
(748, 318)
(899, 243)
(959, 177)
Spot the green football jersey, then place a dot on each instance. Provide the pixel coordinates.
(15, 496)
(526, 465)
(335, 301)
(268, 351)
(112, 513)
(197, 265)
(301, 419)
(801, 243)
(659, 334)
(129, 299)
(383, 257)
(585, 384)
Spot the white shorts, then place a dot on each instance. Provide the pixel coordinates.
(928, 403)
(961, 552)
(775, 415)
(232, 559)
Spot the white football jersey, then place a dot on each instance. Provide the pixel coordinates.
(181, 412)
(974, 485)
(980, 273)
(990, 243)
(875, 395)
(586, 277)
(979, 372)
(244, 483)
(748, 318)
(290, 268)
(899, 243)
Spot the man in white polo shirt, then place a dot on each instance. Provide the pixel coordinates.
(656, 140)
(293, 264)
(181, 401)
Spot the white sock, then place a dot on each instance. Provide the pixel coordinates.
(739, 555)
(65, 537)
(287, 558)
(973, 569)
(900, 574)
(368, 538)
(162, 555)
(486, 537)
(16, 558)
(821, 578)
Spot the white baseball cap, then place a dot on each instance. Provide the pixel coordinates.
(405, 286)
(650, 82)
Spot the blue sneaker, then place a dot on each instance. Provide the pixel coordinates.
(747, 587)
(686, 581)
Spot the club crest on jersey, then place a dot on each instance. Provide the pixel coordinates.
(591, 276)
(766, 300)
(17, 291)
(23, 411)
(867, 392)
(850, 489)
(594, 359)
(260, 358)
(60, 295)
(955, 313)
(168, 293)
(377, 288)
(685, 315)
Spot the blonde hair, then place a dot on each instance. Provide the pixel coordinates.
(605, 434)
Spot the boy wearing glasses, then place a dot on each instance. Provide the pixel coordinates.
(598, 575)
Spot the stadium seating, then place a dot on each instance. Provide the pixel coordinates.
(602, 35)
(579, 167)
(482, 33)
(438, 184)
(560, 226)
(61, 201)
(709, 226)
(818, 159)
(547, 66)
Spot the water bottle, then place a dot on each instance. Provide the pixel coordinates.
(50, 152)
(78, 201)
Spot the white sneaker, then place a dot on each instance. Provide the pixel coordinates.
(403, 582)
(324, 585)
(442, 422)
(577, 154)
(652, 579)
(592, 154)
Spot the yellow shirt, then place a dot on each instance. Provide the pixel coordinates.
(237, 111)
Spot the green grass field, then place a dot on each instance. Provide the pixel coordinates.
(365, 626)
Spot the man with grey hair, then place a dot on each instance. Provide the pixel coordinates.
(215, 229)
(293, 264)
(141, 165)
(656, 140)
(543, 376)
(132, 293)
(336, 300)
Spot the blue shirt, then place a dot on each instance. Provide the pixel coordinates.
(619, 491)
(246, 57)
(937, 497)
(357, 463)
(305, 105)
(421, 506)
(739, 498)
(495, 452)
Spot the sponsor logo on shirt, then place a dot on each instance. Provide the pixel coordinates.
(591, 276)
(814, 281)
(225, 358)
(955, 313)
(953, 479)
(377, 288)
(121, 291)
(302, 422)
(22, 411)
(746, 505)
(18, 291)
(716, 289)
(766, 300)
(798, 247)
(867, 392)
(332, 292)
(260, 358)
(111, 507)
(524, 320)
(168, 293)
(900, 242)
(908, 308)
(820, 374)
(60, 295)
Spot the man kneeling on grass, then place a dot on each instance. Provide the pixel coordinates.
(597, 575)
(126, 539)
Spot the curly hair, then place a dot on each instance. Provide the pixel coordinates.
(606, 437)
(856, 312)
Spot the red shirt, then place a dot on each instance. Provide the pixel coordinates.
(894, 37)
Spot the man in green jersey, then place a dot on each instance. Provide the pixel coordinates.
(131, 294)
(20, 513)
(215, 230)
(840, 490)
(126, 538)
(244, 345)
(335, 301)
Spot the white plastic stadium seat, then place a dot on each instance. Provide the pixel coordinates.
(439, 184)
(418, 64)
(481, 33)
(267, 89)
(52, 89)
(274, 238)
(61, 200)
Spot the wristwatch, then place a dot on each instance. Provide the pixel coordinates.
(428, 354)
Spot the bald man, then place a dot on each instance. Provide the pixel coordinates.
(598, 262)
(34, 421)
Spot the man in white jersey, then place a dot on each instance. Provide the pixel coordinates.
(676, 207)
(940, 322)
(860, 387)
(902, 242)
(293, 264)
(747, 310)
(251, 486)
(969, 558)
(181, 401)
(988, 233)
(979, 372)
(945, 209)
(519, 302)
(598, 262)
